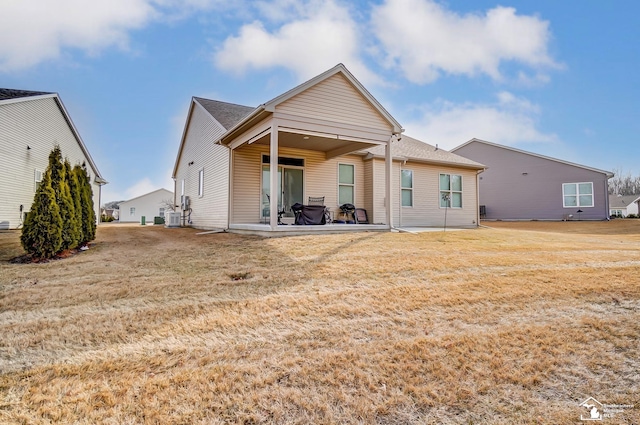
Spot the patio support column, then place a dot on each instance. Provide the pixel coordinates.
(388, 168)
(273, 176)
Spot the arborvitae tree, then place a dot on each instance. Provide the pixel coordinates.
(42, 230)
(70, 231)
(88, 213)
(76, 199)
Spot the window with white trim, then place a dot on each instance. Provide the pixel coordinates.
(201, 182)
(37, 178)
(346, 184)
(576, 195)
(406, 187)
(450, 191)
(132, 211)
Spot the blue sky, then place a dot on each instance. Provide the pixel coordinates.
(557, 78)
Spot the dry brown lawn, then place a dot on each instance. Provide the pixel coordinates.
(516, 323)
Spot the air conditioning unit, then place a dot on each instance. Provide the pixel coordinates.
(172, 219)
(184, 203)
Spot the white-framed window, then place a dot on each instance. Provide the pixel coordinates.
(201, 182)
(181, 188)
(406, 187)
(346, 184)
(132, 211)
(37, 178)
(576, 195)
(161, 212)
(450, 191)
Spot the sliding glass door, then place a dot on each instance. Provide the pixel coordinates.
(290, 189)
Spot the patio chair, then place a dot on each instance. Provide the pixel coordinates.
(319, 200)
(360, 215)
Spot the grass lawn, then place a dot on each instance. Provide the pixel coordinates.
(514, 323)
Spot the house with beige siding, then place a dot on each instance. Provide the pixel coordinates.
(31, 124)
(327, 138)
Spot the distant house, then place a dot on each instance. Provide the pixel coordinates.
(327, 138)
(31, 125)
(622, 206)
(150, 205)
(520, 185)
(110, 213)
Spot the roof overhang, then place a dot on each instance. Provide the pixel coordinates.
(369, 156)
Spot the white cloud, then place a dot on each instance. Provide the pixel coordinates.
(34, 31)
(317, 36)
(425, 40)
(508, 121)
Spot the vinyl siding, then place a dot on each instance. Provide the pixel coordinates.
(210, 210)
(519, 186)
(40, 124)
(146, 205)
(426, 209)
(378, 213)
(335, 99)
(320, 179)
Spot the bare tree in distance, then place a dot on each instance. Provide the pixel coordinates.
(624, 183)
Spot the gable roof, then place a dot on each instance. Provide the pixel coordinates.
(269, 107)
(338, 69)
(227, 114)
(415, 150)
(233, 117)
(8, 96)
(622, 201)
(150, 193)
(609, 174)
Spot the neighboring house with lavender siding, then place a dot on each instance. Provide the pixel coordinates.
(520, 185)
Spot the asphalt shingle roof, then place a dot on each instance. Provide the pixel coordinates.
(617, 201)
(6, 94)
(411, 148)
(227, 114)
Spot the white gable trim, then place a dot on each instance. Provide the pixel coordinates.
(338, 69)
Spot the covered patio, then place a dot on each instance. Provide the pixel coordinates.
(309, 143)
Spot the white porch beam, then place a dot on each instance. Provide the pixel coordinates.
(273, 176)
(346, 149)
(251, 135)
(388, 169)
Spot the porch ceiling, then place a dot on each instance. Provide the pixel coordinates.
(331, 146)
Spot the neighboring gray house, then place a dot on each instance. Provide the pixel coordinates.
(31, 124)
(326, 138)
(622, 206)
(150, 205)
(520, 185)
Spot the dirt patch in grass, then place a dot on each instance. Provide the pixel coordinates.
(514, 324)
